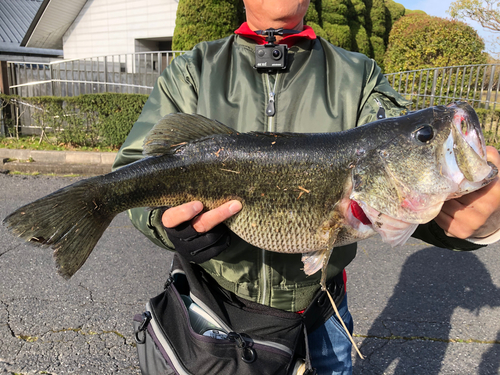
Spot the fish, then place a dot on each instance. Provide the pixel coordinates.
(300, 193)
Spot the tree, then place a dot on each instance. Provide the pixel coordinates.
(202, 20)
(420, 41)
(356, 25)
(485, 12)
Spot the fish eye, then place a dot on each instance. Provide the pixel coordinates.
(424, 134)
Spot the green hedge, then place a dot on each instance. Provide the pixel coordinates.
(490, 121)
(419, 41)
(85, 120)
(201, 20)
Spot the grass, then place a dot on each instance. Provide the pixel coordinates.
(27, 142)
(25, 173)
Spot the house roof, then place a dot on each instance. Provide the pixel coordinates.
(51, 21)
(15, 19)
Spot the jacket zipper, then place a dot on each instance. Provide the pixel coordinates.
(271, 103)
(264, 278)
(381, 109)
(270, 113)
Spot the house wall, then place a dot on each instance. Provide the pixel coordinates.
(108, 27)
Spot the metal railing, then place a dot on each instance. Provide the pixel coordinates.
(477, 84)
(124, 73)
(137, 73)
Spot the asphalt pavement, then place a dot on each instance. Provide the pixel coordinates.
(417, 309)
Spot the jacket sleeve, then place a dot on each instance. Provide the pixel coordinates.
(380, 99)
(175, 91)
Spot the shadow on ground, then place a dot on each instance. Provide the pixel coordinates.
(417, 319)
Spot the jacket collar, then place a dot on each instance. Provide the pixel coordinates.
(289, 40)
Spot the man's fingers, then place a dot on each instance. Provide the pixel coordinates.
(492, 155)
(445, 219)
(179, 214)
(204, 222)
(210, 219)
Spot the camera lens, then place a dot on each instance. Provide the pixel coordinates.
(276, 54)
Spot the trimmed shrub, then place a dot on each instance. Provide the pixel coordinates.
(202, 20)
(339, 35)
(356, 25)
(420, 41)
(85, 120)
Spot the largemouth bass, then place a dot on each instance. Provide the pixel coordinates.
(301, 193)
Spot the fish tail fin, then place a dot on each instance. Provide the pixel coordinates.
(70, 221)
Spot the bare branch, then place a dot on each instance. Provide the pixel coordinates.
(485, 12)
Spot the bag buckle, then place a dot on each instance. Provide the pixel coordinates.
(146, 318)
(249, 354)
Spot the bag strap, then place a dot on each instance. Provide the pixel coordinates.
(320, 309)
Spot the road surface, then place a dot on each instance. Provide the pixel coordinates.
(417, 309)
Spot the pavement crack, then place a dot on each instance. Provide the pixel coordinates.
(97, 333)
(5, 251)
(7, 323)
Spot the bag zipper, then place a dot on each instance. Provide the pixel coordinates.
(224, 326)
(146, 318)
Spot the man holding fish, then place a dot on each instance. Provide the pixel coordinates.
(260, 275)
(306, 198)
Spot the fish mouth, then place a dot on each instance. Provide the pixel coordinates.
(465, 150)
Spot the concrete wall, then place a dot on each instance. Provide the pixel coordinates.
(108, 27)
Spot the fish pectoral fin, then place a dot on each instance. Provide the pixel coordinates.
(177, 129)
(314, 260)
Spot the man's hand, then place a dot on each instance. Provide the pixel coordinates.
(203, 222)
(196, 236)
(477, 214)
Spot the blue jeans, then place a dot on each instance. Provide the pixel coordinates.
(329, 345)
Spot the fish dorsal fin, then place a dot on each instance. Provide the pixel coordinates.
(176, 129)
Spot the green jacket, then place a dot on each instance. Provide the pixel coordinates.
(325, 89)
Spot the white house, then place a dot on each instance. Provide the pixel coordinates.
(15, 18)
(86, 28)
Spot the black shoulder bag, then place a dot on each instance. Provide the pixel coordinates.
(195, 327)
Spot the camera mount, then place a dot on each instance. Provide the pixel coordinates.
(271, 56)
(271, 39)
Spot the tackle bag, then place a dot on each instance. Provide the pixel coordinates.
(195, 327)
